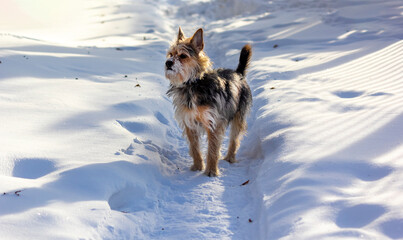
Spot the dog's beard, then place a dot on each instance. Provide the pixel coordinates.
(179, 73)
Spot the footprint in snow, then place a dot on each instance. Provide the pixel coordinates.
(380, 94)
(297, 59)
(134, 127)
(161, 118)
(393, 228)
(33, 168)
(359, 215)
(363, 171)
(348, 94)
(148, 150)
(313, 99)
(130, 199)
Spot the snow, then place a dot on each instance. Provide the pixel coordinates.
(89, 147)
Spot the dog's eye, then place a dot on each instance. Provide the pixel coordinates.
(183, 56)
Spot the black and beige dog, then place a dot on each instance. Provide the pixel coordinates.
(207, 100)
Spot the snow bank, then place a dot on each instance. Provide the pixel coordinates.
(85, 128)
(327, 120)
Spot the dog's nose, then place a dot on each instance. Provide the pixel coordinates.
(169, 64)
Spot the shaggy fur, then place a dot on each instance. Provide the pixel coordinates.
(207, 100)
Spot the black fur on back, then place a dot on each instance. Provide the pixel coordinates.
(222, 89)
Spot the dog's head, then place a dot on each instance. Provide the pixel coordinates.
(186, 59)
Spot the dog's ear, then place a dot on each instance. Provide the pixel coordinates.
(197, 40)
(181, 35)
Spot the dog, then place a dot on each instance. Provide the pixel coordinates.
(207, 100)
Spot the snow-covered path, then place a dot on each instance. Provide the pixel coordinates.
(89, 148)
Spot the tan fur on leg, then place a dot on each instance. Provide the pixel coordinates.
(194, 150)
(238, 127)
(214, 146)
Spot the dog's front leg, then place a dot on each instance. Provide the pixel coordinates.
(194, 149)
(214, 137)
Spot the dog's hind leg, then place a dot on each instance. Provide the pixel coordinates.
(238, 128)
(194, 149)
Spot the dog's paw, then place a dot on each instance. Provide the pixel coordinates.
(230, 159)
(212, 172)
(196, 167)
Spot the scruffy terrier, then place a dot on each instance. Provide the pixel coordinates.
(207, 100)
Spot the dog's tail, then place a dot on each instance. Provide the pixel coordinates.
(244, 59)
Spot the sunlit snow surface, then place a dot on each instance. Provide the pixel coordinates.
(89, 148)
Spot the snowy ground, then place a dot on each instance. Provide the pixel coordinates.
(89, 148)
